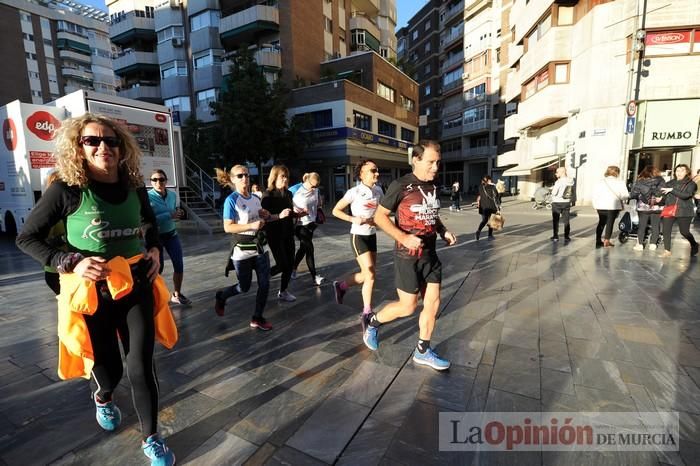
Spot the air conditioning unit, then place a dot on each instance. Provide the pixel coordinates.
(177, 42)
(465, 75)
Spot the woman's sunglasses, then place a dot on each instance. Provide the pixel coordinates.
(159, 180)
(95, 141)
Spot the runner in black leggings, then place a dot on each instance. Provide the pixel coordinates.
(306, 204)
(104, 206)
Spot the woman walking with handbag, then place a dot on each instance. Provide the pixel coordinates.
(609, 195)
(679, 208)
(488, 202)
(645, 190)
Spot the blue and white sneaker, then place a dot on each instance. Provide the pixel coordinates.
(108, 415)
(371, 337)
(429, 358)
(155, 449)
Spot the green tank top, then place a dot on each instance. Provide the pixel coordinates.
(98, 228)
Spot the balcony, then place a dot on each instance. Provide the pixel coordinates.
(360, 20)
(513, 87)
(451, 132)
(135, 60)
(447, 39)
(174, 86)
(207, 77)
(545, 107)
(477, 126)
(453, 12)
(205, 39)
(68, 55)
(511, 128)
(514, 54)
(476, 100)
(452, 156)
(474, 6)
(555, 45)
(452, 85)
(204, 113)
(452, 61)
(483, 151)
(195, 6)
(141, 92)
(166, 16)
(83, 75)
(528, 16)
(246, 25)
(452, 110)
(131, 28)
(371, 7)
(268, 58)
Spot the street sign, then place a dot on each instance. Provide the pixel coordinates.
(631, 108)
(629, 127)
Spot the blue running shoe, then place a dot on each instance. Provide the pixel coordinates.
(108, 415)
(371, 338)
(429, 358)
(155, 449)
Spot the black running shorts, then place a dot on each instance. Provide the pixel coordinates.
(411, 273)
(363, 243)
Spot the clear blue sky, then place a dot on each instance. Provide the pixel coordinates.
(404, 8)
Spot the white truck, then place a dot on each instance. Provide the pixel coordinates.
(28, 134)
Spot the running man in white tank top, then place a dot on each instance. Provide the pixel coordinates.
(363, 200)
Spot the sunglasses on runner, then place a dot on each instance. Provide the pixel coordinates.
(159, 180)
(242, 175)
(95, 141)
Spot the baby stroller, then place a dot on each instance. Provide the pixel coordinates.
(629, 225)
(542, 198)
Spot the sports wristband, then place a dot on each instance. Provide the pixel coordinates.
(69, 261)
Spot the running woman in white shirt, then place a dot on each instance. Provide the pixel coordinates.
(306, 203)
(363, 200)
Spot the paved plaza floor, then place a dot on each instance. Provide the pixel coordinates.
(529, 325)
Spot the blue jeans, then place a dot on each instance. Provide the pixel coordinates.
(244, 270)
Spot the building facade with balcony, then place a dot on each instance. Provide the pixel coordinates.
(580, 66)
(50, 49)
(366, 109)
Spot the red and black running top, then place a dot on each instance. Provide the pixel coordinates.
(416, 205)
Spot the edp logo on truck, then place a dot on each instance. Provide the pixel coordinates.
(43, 125)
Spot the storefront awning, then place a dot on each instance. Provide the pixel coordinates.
(526, 168)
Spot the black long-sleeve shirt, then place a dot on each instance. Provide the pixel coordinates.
(275, 201)
(61, 200)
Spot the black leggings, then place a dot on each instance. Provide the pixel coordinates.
(52, 279)
(485, 214)
(683, 226)
(282, 248)
(132, 317)
(563, 211)
(606, 221)
(644, 219)
(305, 233)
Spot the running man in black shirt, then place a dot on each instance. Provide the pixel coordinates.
(416, 204)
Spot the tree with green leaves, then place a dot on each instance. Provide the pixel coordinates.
(252, 116)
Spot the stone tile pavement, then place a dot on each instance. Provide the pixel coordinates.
(528, 325)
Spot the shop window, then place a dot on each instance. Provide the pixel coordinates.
(362, 121)
(386, 129)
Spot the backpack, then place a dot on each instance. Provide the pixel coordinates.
(295, 188)
(568, 192)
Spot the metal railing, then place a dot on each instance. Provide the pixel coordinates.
(200, 182)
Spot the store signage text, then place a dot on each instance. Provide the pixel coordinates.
(670, 136)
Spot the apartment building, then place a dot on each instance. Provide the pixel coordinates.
(419, 50)
(575, 67)
(366, 109)
(51, 48)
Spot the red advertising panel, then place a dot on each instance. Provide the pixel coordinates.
(41, 159)
(667, 42)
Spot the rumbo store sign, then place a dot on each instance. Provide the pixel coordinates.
(668, 123)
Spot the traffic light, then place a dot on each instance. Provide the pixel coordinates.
(572, 164)
(582, 160)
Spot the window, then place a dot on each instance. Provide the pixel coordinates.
(173, 68)
(561, 73)
(45, 24)
(33, 75)
(315, 120)
(209, 18)
(476, 114)
(26, 36)
(25, 17)
(427, 25)
(566, 15)
(427, 47)
(327, 24)
(407, 103)
(208, 58)
(386, 128)
(427, 110)
(384, 52)
(30, 56)
(426, 70)
(385, 91)
(171, 33)
(204, 98)
(149, 12)
(427, 89)
(452, 123)
(362, 121)
(415, 34)
(539, 31)
(36, 93)
(178, 104)
(407, 135)
(48, 42)
(476, 92)
(66, 26)
(498, 55)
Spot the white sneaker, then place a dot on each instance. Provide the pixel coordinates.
(286, 296)
(294, 275)
(652, 247)
(638, 247)
(319, 280)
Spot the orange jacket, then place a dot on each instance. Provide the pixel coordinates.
(79, 296)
